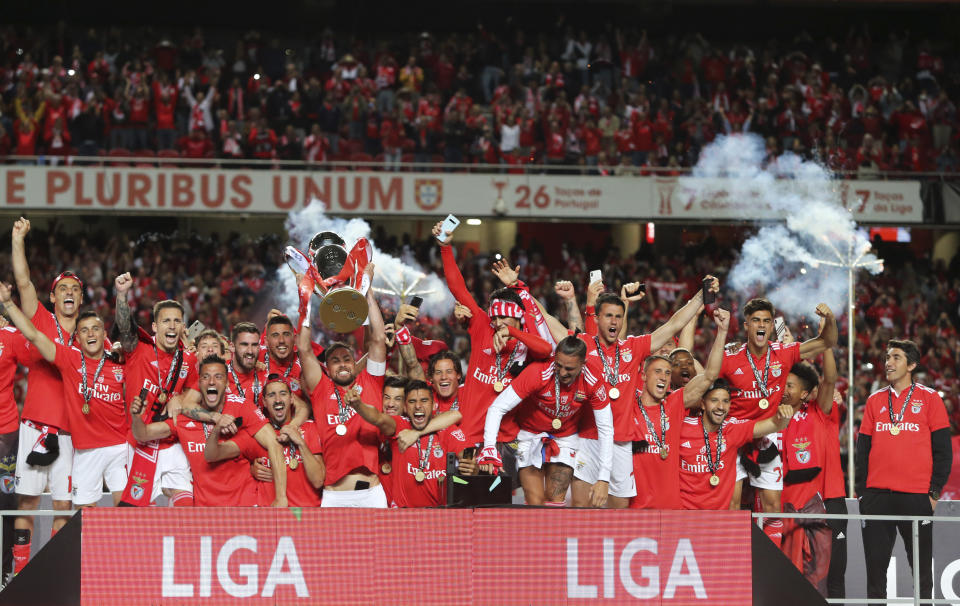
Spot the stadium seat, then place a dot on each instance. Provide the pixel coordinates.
(116, 155)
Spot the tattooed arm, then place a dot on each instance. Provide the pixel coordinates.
(123, 319)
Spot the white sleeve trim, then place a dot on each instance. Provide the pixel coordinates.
(505, 402)
(376, 369)
(604, 419)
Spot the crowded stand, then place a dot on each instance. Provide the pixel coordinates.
(605, 101)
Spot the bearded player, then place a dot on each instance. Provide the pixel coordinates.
(44, 446)
(621, 361)
(550, 398)
(756, 373)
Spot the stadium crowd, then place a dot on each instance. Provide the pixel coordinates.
(610, 101)
(541, 384)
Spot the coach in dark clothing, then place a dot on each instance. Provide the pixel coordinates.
(903, 462)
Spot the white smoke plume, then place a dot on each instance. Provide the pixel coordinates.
(302, 225)
(786, 262)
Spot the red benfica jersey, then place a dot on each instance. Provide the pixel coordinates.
(902, 462)
(407, 492)
(745, 393)
(805, 448)
(148, 366)
(44, 390)
(221, 484)
(358, 449)
(291, 371)
(658, 480)
(108, 423)
(536, 387)
(444, 404)
(834, 482)
(633, 351)
(300, 492)
(11, 353)
(695, 489)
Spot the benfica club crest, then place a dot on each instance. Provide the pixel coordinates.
(294, 385)
(802, 455)
(428, 193)
(915, 407)
(118, 374)
(437, 452)
(136, 491)
(775, 370)
(626, 355)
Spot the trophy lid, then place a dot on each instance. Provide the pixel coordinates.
(325, 238)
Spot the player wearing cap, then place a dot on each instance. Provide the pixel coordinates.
(421, 469)
(45, 448)
(226, 483)
(553, 395)
(350, 446)
(164, 368)
(656, 459)
(503, 335)
(302, 452)
(756, 373)
(806, 458)
(621, 360)
(93, 400)
(708, 448)
(903, 461)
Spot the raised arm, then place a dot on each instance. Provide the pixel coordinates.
(454, 278)
(377, 336)
(590, 322)
(310, 369)
(404, 339)
(371, 415)
(568, 296)
(699, 385)
(828, 383)
(776, 423)
(21, 270)
(826, 338)
(45, 346)
(683, 315)
(123, 317)
(539, 349)
(407, 437)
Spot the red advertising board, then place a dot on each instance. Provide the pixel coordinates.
(343, 556)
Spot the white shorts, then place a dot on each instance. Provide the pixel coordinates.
(530, 450)
(173, 470)
(587, 469)
(771, 472)
(33, 480)
(94, 466)
(369, 497)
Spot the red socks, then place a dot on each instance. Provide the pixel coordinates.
(774, 530)
(21, 549)
(182, 499)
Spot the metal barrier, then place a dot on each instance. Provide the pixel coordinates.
(914, 526)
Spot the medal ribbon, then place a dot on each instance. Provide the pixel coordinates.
(286, 373)
(167, 386)
(88, 393)
(611, 378)
(661, 439)
(60, 333)
(255, 386)
(425, 461)
(341, 409)
(502, 372)
(762, 383)
(706, 440)
(556, 394)
(903, 408)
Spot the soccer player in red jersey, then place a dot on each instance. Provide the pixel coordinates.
(756, 373)
(656, 459)
(93, 400)
(350, 445)
(708, 448)
(225, 483)
(280, 356)
(208, 343)
(621, 359)
(499, 337)
(806, 457)
(164, 368)
(445, 375)
(552, 396)
(903, 461)
(422, 468)
(302, 451)
(393, 404)
(44, 422)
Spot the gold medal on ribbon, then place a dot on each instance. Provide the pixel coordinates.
(614, 393)
(714, 480)
(556, 424)
(419, 476)
(162, 398)
(763, 403)
(498, 386)
(894, 430)
(663, 453)
(293, 462)
(86, 409)
(386, 468)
